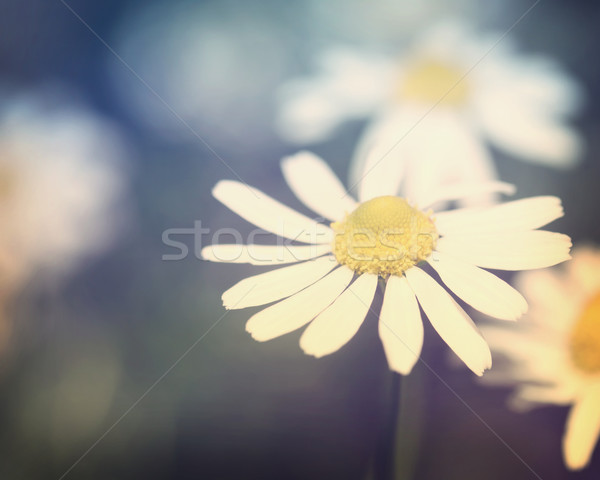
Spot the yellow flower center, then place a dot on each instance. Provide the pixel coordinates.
(585, 338)
(431, 81)
(384, 236)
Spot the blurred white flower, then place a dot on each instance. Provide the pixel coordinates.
(435, 107)
(555, 356)
(383, 236)
(61, 177)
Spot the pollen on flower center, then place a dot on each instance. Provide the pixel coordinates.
(585, 338)
(384, 236)
(432, 81)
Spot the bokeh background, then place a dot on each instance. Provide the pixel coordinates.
(130, 361)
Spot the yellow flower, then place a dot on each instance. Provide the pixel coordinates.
(555, 354)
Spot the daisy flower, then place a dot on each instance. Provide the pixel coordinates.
(453, 91)
(335, 274)
(555, 356)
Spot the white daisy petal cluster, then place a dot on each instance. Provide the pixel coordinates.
(555, 354)
(61, 176)
(337, 264)
(454, 91)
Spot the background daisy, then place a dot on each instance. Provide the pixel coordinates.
(555, 356)
(383, 236)
(452, 91)
(62, 174)
(61, 179)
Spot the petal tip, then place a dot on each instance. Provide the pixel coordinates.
(218, 188)
(205, 253)
(310, 350)
(314, 354)
(402, 370)
(256, 335)
(480, 371)
(510, 189)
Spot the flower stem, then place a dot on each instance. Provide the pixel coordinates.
(385, 453)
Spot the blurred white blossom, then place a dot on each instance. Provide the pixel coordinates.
(555, 354)
(435, 107)
(61, 181)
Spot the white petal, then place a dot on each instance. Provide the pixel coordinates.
(276, 284)
(525, 214)
(297, 310)
(554, 300)
(482, 290)
(533, 135)
(450, 321)
(582, 430)
(452, 39)
(464, 191)
(530, 396)
(270, 215)
(431, 170)
(362, 80)
(349, 84)
(382, 171)
(535, 356)
(512, 251)
(315, 184)
(335, 326)
(307, 117)
(399, 148)
(262, 254)
(385, 151)
(583, 270)
(385, 136)
(400, 326)
(537, 83)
